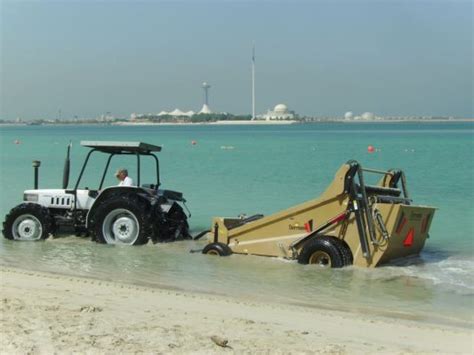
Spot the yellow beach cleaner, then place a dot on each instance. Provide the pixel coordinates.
(351, 223)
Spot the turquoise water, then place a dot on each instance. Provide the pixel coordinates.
(268, 168)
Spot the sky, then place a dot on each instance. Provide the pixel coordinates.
(320, 58)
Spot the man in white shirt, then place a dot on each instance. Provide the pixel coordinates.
(122, 175)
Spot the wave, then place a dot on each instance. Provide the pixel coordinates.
(453, 273)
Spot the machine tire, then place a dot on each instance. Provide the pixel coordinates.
(322, 250)
(220, 249)
(126, 215)
(345, 251)
(29, 222)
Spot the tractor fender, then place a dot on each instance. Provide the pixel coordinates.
(111, 192)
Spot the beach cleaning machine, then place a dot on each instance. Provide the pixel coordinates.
(351, 223)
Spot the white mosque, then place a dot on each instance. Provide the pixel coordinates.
(279, 112)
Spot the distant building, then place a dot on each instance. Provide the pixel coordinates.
(279, 112)
(368, 116)
(349, 115)
(205, 109)
(177, 113)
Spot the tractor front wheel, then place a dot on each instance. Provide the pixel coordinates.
(29, 222)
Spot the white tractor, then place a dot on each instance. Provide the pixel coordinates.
(129, 215)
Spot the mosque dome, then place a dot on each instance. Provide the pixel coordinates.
(281, 108)
(349, 115)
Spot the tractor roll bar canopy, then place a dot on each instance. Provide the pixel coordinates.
(122, 147)
(116, 148)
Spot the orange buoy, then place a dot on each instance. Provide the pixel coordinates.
(370, 149)
(193, 142)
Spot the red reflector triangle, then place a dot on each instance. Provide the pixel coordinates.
(409, 238)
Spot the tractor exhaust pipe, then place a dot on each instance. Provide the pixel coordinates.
(67, 165)
(36, 165)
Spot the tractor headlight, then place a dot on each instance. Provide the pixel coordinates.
(30, 197)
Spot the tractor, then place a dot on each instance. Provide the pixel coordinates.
(126, 215)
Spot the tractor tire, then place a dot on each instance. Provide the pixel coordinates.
(122, 220)
(29, 222)
(219, 249)
(324, 251)
(170, 226)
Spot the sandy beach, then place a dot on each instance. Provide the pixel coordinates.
(47, 313)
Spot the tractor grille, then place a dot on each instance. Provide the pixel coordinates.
(60, 201)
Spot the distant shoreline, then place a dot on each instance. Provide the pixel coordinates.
(282, 123)
(236, 123)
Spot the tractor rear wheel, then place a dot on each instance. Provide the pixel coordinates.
(219, 249)
(122, 220)
(28, 221)
(324, 251)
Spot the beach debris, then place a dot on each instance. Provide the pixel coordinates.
(220, 341)
(90, 309)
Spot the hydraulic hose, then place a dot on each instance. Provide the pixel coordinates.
(201, 234)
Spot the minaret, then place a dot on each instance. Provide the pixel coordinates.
(205, 107)
(253, 82)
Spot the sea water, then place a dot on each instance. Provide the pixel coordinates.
(262, 169)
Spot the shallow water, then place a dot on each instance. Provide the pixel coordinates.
(268, 169)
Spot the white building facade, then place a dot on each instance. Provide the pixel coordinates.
(279, 112)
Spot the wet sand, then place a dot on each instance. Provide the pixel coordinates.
(46, 313)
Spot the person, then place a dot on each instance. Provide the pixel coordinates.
(122, 175)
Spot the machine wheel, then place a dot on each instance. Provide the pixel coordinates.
(219, 249)
(28, 221)
(122, 220)
(324, 251)
(346, 252)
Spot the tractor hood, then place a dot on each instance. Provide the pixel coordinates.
(33, 195)
(49, 197)
(59, 198)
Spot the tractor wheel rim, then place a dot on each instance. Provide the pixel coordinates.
(213, 252)
(320, 258)
(120, 227)
(27, 227)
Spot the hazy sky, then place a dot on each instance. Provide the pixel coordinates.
(391, 57)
